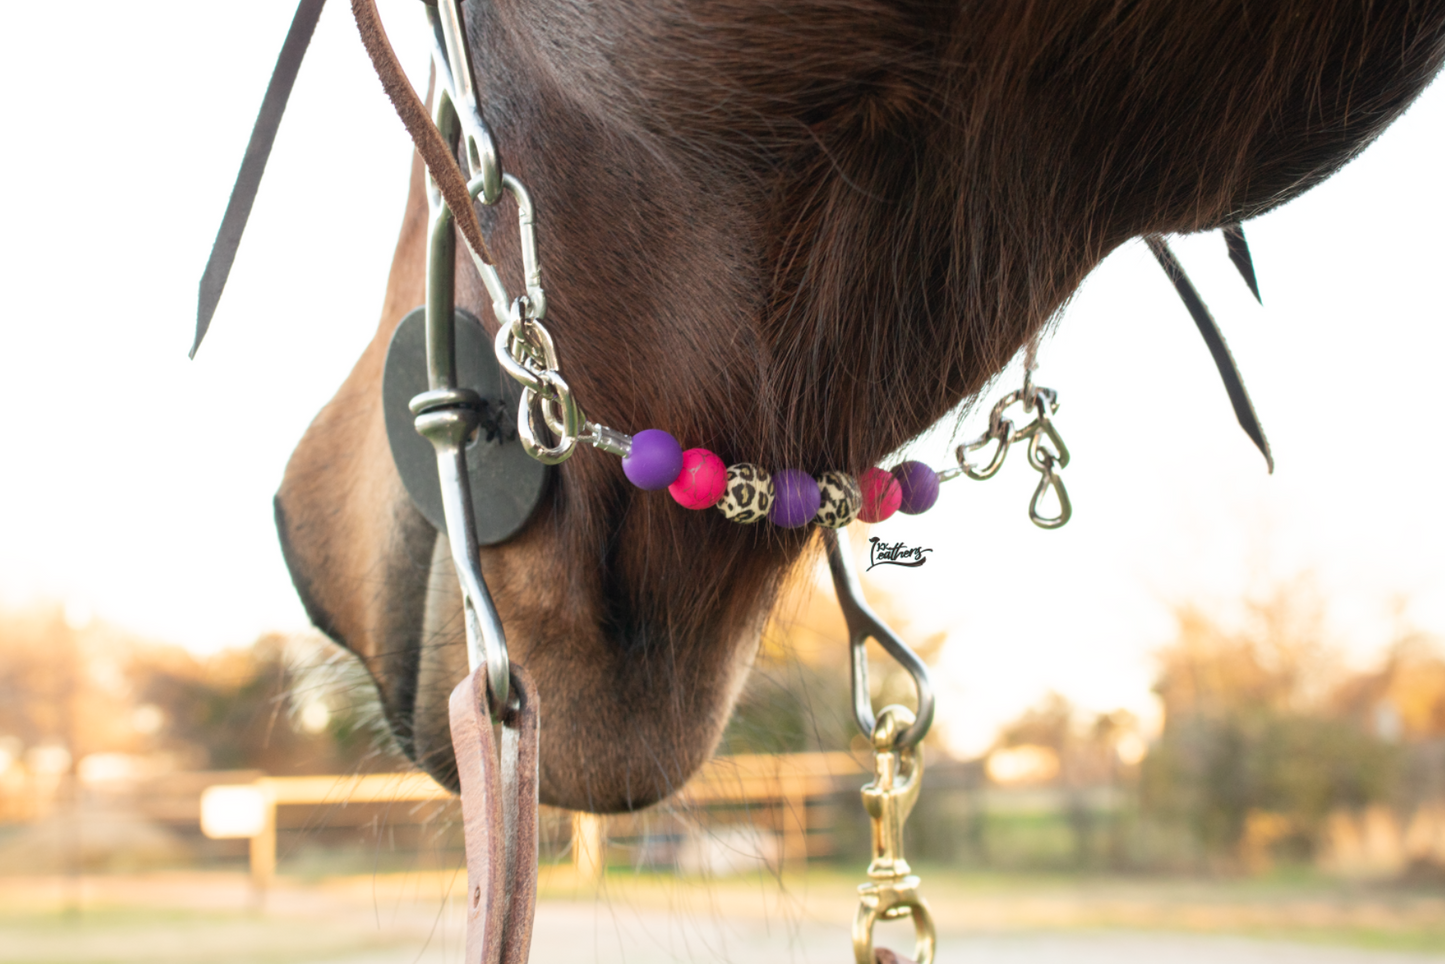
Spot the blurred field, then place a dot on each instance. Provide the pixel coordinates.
(170, 918)
(1284, 808)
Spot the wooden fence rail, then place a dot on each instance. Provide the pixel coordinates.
(785, 781)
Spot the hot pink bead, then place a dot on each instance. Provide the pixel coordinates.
(882, 495)
(703, 478)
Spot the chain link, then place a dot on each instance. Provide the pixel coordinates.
(526, 351)
(1042, 458)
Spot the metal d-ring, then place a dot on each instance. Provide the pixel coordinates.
(863, 624)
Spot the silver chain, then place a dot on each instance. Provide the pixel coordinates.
(1043, 457)
(526, 351)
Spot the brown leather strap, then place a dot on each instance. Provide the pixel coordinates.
(499, 819)
(253, 165)
(882, 955)
(1214, 339)
(519, 815)
(428, 140)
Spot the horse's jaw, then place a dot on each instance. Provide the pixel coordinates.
(626, 720)
(636, 618)
(632, 701)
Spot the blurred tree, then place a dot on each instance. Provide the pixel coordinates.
(1252, 728)
(283, 705)
(1085, 753)
(1404, 703)
(32, 679)
(260, 708)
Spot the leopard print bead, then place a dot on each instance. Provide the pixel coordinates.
(841, 500)
(748, 494)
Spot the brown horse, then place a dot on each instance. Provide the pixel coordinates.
(797, 234)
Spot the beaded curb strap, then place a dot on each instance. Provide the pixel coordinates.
(746, 493)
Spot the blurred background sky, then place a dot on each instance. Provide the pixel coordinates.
(136, 485)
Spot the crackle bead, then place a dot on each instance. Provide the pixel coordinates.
(747, 493)
(840, 500)
(701, 483)
(881, 495)
(918, 485)
(795, 498)
(655, 460)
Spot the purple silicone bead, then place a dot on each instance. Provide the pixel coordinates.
(920, 487)
(655, 460)
(795, 498)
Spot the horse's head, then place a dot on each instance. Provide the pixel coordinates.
(797, 235)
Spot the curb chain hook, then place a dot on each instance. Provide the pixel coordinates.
(1046, 459)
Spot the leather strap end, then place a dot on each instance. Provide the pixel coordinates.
(499, 818)
(414, 116)
(480, 779)
(884, 955)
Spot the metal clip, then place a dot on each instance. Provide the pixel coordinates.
(862, 624)
(1048, 477)
(892, 889)
(1043, 459)
(536, 296)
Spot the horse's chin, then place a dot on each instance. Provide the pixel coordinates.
(624, 722)
(633, 696)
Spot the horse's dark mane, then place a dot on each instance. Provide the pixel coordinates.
(801, 234)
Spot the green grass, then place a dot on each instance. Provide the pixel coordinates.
(160, 935)
(195, 917)
(1292, 904)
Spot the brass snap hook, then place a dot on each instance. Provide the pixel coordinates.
(892, 889)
